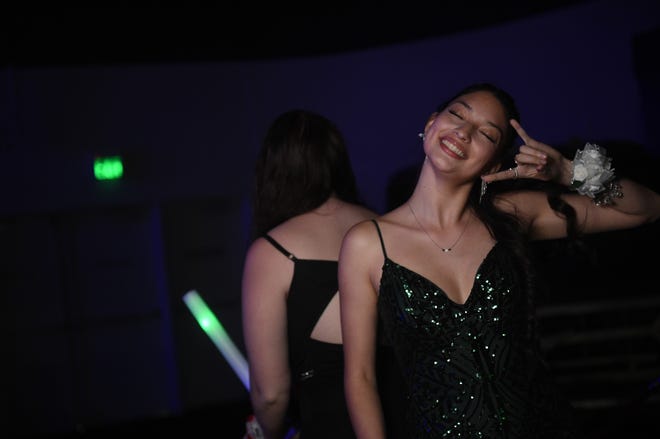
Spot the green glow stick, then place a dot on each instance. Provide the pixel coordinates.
(214, 329)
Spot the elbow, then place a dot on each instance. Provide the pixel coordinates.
(654, 215)
(266, 399)
(649, 217)
(356, 384)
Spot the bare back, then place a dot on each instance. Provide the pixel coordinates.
(317, 236)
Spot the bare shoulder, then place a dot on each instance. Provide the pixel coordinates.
(258, 247)
(352, 214)
(360, 235)
(262, 251)
(360, 253)
(267, 271)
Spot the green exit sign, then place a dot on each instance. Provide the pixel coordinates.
(108, 168)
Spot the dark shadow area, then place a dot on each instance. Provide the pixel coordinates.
(233, 32)
(220, 421)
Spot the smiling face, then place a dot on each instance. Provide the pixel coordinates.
(467, 134)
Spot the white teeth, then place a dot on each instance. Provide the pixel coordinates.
(453, 148)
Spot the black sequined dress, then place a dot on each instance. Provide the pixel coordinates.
(470, 370)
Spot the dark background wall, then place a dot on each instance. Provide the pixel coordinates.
(93, 273)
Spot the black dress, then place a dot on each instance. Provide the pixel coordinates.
(471, 370)
(318, 409)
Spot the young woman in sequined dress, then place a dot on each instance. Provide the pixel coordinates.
(446, 281)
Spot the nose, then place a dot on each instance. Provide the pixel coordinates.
(463, 132)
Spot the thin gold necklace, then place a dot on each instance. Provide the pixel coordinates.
(444, 249)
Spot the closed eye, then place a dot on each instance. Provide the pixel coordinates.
(489, 137)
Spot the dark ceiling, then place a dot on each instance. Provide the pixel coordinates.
(120, 35)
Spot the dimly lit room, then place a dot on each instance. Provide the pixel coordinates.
(128, 141)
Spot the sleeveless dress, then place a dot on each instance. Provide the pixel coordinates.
(470, 370)
(318, 408)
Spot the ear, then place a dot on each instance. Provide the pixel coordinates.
(430, 120)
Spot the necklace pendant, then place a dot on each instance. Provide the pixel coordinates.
(444, 249)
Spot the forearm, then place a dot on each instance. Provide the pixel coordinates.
(621, 194)
(638, 200)
(365, 409)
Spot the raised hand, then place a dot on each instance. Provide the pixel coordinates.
(535, 160)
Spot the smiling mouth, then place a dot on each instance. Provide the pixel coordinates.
(454, 149)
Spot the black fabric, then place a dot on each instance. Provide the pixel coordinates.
(470, 370)
(317, 367)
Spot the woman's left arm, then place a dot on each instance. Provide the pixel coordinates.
(602, 202)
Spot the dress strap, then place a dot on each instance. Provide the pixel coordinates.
(382, 244)
(277, 245)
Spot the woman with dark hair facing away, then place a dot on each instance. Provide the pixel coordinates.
(305, 199)
(449, 276)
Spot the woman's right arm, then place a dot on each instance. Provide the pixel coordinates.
(266, 276)
(359, 321)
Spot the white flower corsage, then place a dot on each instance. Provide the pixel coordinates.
(593, 175)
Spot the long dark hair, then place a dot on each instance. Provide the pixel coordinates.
(302, 162)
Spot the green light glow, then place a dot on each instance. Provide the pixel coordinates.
(216, 332)
(108, 168)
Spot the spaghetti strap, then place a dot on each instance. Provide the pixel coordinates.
(382, 244)
(282, 250)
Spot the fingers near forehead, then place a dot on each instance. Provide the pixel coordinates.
(519, 129)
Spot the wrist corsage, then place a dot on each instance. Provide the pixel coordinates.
(593, 175)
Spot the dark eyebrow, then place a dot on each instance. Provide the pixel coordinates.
(465, 104)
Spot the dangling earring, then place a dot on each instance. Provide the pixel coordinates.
(484, 186)
(421, 135)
